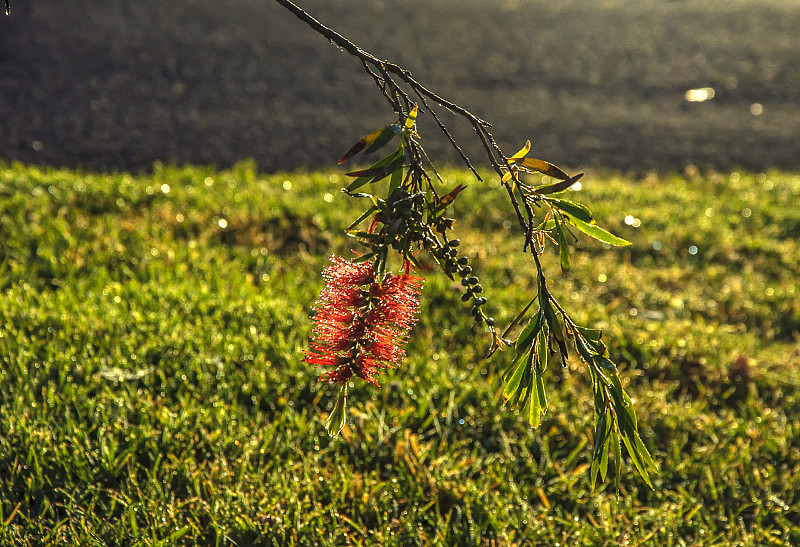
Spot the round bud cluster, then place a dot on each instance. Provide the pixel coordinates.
(453, 264)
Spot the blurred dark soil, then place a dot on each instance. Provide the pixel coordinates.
(115, 84)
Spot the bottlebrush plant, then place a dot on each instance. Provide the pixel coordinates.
(364, 314)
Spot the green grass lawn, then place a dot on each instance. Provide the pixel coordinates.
(152, 391)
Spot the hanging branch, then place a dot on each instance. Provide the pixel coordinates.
(364, 314)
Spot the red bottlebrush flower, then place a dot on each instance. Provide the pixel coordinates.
(359, 323)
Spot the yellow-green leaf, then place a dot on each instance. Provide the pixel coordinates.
(596, 231)
(543, 167)
(535, 407)
(412, 118)
(522, 153)
(337, 419)
(557, 186)
(372, 142)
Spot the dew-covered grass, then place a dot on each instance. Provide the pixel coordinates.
(152, 391)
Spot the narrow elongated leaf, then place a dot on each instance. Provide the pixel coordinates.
(543, 167)
(337, 419)
(396, 180)
(563, 246)
(617, 457)
(378, 170)
(519, 382)
(575, 209)
(522, 153)
(448, 198)
(541, 348)
(514, 376)
(597, 232)
(636, 456)
(534, 406)
(387, 134)
(525, 339)
(557, 331)
(372, 142)
(600, 432)
(557, 186)
(542, 393)
(604, 459)
(525, 384)
(362, 218)
(645, 454)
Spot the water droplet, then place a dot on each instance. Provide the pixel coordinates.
(693, 250)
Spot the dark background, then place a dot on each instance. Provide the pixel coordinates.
(112, 84)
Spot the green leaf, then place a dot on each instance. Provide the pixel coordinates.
(543, 167)
(591, 335)
(372, 142)
(636, 456)
(378, 170)
(574, 208)
(336, 420)
(557, 186)
(617, 458)
(396, 181)
(557, 331)
(600, 434)
(604, 458)
(541, 347)
(596, 231)
(386, 134)
(644, 453)
(362, 218)
(563, 246)
(534, 406)
(518, 366)
(542, 393)
(520, 382)
(525, 339)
